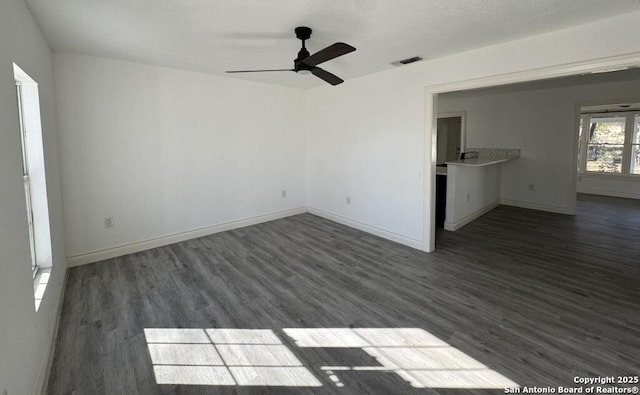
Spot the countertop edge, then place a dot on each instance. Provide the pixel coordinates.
(476, 162)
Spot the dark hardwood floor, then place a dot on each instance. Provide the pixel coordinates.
(536, 297)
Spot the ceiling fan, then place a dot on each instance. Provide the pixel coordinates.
(307, 64)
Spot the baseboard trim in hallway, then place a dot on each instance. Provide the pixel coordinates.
(131, 248)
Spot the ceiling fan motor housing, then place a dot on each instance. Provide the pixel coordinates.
(303, 33)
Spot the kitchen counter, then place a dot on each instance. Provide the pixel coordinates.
(473, 188)
(478, 162)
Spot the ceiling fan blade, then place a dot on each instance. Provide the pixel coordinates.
(327, 76)
(330, 52)
(256, 71)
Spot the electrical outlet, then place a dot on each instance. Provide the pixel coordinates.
(348, 199)
(532, 187)
(468, 196)
(108, 222)
(284, 193)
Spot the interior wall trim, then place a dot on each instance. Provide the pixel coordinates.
(100, 255)
(539, 207)
(385, 234)
(606, 192)
(45, 370)
(453, 226)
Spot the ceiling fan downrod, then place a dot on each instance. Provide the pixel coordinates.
(303, 33)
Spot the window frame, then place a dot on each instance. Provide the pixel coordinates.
(27, 181)
(583, 143)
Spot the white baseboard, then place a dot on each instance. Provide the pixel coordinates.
(45, 370)
(413, 243)
(96, 256)
(453, 226)
(593, 191)
(539, 207)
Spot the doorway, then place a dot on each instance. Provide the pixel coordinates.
(450, 144)
(431, 107)
(450, 129)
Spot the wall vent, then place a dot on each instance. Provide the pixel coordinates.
(407, 61)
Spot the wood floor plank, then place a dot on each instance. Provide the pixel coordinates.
(537, 297)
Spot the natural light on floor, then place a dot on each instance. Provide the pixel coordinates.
(225, 357)
(420, 358)
(257, 357)
(39, 285)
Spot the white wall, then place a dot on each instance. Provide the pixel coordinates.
(542, 122)
(25, 335)
(366, 138)
(471, 192)
(365, 141)
(625, 187)
(165, 151)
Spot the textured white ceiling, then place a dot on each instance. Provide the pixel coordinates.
(212, 36)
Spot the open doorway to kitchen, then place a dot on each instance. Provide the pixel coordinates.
(533, 126)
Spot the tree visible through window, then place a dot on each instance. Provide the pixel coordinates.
(606, 144)
(609, 143)
(635, 147)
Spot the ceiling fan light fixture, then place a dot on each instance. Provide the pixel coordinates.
(304, 72)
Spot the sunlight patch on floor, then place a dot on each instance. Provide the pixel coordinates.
(420, 358)
(257, 357)
(245, 357)
(40, 285)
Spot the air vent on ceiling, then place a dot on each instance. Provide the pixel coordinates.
(407, 61)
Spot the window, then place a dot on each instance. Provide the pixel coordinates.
(635, 146)
(605, 144)
(609, 143)
(34, 180)
(27, 181)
